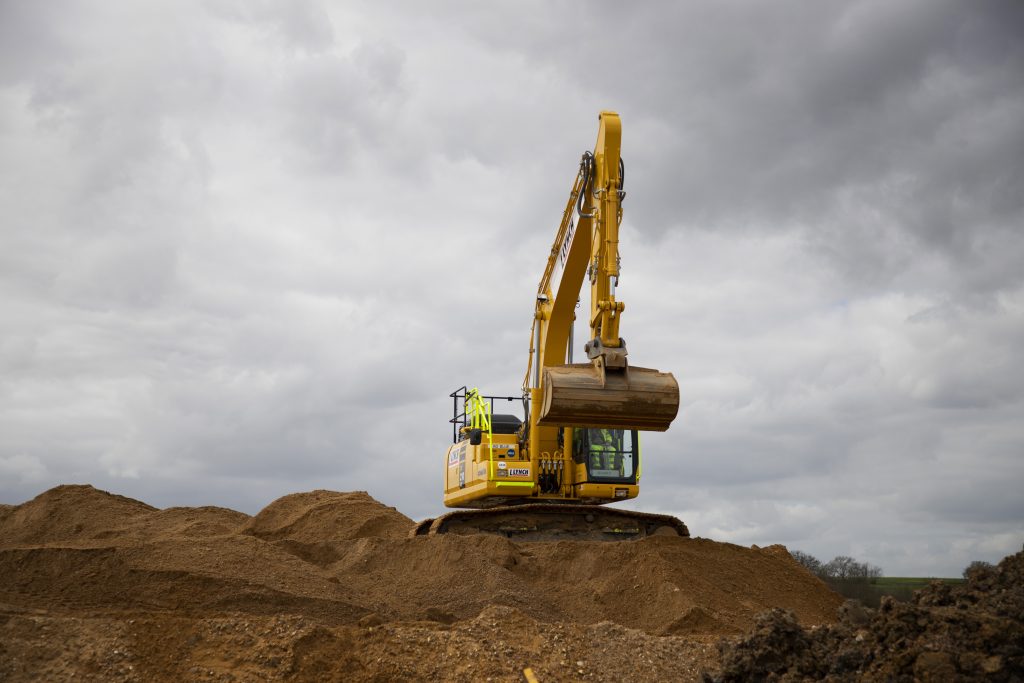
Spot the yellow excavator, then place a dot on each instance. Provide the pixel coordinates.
(548, 476)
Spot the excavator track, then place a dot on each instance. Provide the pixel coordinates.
(554, 522)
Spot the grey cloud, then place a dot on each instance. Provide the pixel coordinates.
(341, 106)
(882, 114)
(301, 26)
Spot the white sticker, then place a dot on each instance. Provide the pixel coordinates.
(453, 458)
(519, 472)
(502, 465)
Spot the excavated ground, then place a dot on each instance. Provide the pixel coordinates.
(329, 586)
(970, 632)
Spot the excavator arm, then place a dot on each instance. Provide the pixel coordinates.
(606, 391)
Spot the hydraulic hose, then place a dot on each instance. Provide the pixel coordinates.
(587, 171)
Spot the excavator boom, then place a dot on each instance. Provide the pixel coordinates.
(607, 391)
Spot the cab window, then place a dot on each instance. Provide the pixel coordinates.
(610, 454)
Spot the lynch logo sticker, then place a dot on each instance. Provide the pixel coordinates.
(563, 255)
(519, 472)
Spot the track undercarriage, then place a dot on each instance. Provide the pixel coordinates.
(554, 522)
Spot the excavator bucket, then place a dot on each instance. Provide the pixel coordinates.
(584, 395)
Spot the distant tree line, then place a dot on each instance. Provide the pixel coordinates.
(863, 581)
(840, 568)
(847, 576)
(845, 567)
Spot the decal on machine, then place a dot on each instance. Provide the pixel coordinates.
(563, 255)
(453, 458)
(502, 465)
(519, 472)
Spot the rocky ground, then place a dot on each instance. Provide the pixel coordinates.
(970, 632)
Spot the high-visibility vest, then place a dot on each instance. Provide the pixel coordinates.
(602, 454)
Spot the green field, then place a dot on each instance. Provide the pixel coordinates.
(911, 582)
(870, 591)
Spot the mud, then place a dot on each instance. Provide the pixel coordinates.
(328, 586)
(970, 632)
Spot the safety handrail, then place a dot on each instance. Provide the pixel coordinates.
(479, 412)
(462, 419)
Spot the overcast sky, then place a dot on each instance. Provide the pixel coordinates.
(248, 249)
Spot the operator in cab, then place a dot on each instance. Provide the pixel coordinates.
(609, 453)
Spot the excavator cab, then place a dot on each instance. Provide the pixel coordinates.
(611, 456)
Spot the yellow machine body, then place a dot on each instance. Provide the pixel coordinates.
(571, 408)
(499, 472)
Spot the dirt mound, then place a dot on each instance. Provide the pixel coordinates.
(83, 516)
(973, 631)
(340, 567)
(67, 513)
(344, 555)
(178, 522)
(319, 516)
(647, 584)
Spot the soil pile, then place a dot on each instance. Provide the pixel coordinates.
(320, 516)
(68, 513)
(327, 585)
(964, 632)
